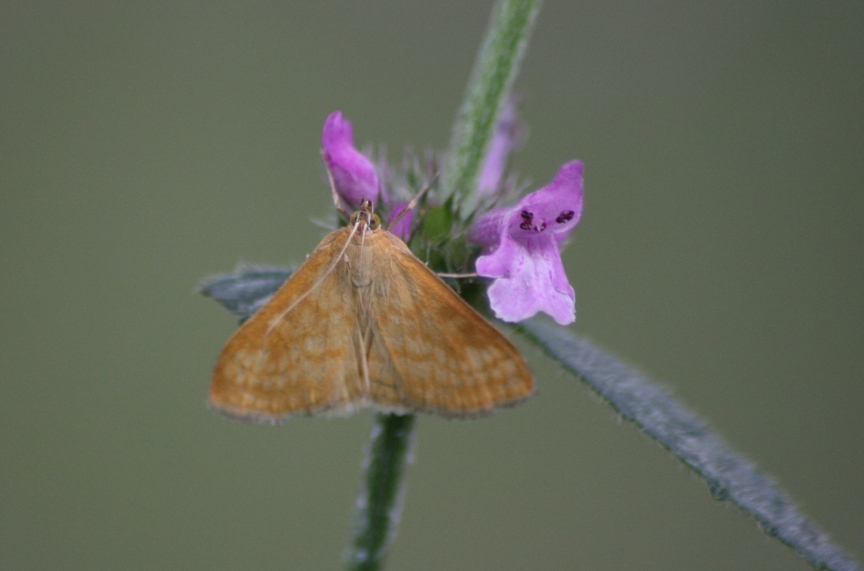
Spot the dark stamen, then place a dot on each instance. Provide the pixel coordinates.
(565, 216)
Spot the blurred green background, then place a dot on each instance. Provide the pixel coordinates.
(721, 250)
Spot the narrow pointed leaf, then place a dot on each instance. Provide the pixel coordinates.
(245, 291)
(729, 476)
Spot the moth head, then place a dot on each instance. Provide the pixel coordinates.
(367, 215)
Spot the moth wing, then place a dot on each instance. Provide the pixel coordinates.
(434, 351)
(297, 354)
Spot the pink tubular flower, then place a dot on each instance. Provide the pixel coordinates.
(521, 250)
(509, 134)
(353, 174)
(402, 229)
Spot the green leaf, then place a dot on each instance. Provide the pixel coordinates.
(437, 224)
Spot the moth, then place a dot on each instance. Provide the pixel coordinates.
(364, 323)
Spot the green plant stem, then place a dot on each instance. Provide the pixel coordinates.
(379, 504)
(491, 80)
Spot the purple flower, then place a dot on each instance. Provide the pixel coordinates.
(509, 134)
(353, 174)
(402, 229)
(521, 250)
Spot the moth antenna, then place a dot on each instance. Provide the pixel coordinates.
(336, 202)
(457, 276)
(413, 202)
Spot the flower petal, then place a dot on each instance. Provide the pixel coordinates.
(556, 207)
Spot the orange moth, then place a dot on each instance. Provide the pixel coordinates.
(363, 322)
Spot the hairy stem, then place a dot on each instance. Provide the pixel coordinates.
(379, 504)
(491, 80)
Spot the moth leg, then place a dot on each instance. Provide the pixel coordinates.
(336, 201)
(362, 354)
(413, 203)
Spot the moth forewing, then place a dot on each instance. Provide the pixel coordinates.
(294, 355)
(450, 359)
